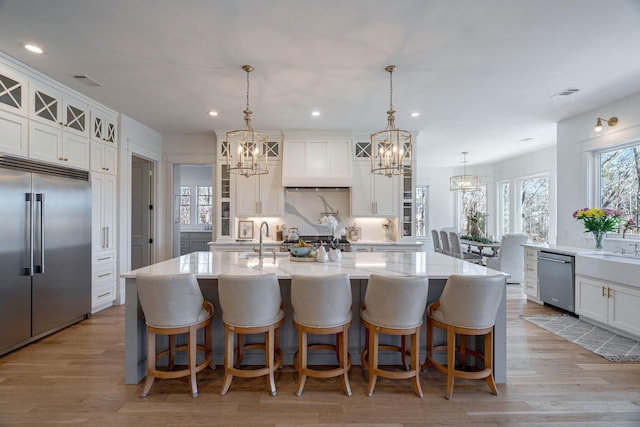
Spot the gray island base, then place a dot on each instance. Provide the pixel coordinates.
(359, 265)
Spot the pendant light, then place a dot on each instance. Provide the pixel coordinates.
(391, 148)
(247, 145)
(464, 183)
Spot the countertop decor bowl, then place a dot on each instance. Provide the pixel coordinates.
(301, 251)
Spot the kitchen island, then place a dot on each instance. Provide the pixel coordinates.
(207, 266)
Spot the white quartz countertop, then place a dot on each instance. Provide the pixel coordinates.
(382, 243)
(359, 265)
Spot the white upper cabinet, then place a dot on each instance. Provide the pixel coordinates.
(104, 127)
(50, 144)
(373, 195)
(51, 107)
(317, 163)
(13, 91)
(103, 158)
(14, 134)
(260, 195)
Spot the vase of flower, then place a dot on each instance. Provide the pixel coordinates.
(598, 221)
(597, 236)
(335, 255)
(321, 254)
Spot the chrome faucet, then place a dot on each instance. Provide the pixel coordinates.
(264, 223)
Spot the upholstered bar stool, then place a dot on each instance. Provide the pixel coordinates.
(467, 307)
(322, 306)
(251, 305)
(393, 305)
(172, 305)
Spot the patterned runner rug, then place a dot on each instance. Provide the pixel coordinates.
(607, 344)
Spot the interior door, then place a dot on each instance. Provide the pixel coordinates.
(141, 213)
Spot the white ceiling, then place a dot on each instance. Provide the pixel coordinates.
(482, 73)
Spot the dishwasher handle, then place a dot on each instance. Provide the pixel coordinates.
(559, 261)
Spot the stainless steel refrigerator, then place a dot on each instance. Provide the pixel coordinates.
(45, 250)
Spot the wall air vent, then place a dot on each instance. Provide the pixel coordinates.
(566, 92)
(87, 80)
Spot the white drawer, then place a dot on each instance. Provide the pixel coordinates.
(530, 254)
(103, 257)
(103, 294)
(531, 269)
(531, 287)
(104, 273)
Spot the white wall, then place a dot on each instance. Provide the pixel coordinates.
(576, 141)
(136, 140)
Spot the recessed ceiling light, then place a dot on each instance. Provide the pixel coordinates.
(415, 114)
(315, 113)
(33, 48)
(213, 113)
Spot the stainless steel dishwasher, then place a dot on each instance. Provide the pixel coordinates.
(556, 280)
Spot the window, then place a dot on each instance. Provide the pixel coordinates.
(422, 209)
(534, 208)
(620, 182)
(185, 205)
(473, 212)
(503, 207)
(196, 210)
(205, 205)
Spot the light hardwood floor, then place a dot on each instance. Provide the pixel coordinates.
(76, 377)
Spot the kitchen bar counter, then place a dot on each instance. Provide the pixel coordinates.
(208, 265)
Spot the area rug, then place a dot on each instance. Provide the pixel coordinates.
(607, 344)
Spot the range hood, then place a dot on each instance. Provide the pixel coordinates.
(316, 164)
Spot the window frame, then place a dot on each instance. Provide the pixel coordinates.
(518, 223)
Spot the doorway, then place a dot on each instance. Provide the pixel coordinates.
(141, 212)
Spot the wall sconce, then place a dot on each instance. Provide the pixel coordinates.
(611, 122)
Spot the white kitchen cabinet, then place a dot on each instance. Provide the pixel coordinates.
(531, 275)
(103, 158)
(611, 304)
(104, 280)
(103, 240)
(373, 195)
(317, 163)
(51, 144)
(14, 134)
(13, 92)
(261, 195)
(54, 108)
(104, 127)
(103, 191)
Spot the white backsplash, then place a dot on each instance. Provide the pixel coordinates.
(303, 209)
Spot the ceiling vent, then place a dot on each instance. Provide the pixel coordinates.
(566, 92)
(87, 81)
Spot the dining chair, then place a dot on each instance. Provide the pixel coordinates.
(510, 257)
(444, 242)
(393, 305)
(250, 305)
(458, 252)
(173, 305)
(466, 308)
(322, 306)
(435, 236)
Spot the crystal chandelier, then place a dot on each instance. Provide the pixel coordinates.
(247, 145)
(391, 148)
(464, 183)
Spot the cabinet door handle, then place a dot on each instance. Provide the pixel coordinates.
(608, 292)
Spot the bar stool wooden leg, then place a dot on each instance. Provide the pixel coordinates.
(373, 359)
(342, 340)
(415, 361)
(451, 361)
(302, 360)
(488, 361)
(228, 359)
(172, 351)
(151, 362)
(271, 359)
